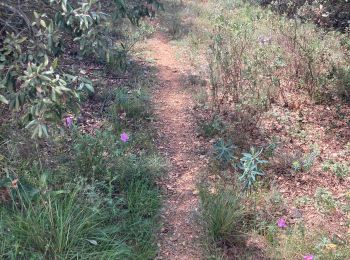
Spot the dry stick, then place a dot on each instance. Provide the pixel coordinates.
(22, 15)
(6, 24)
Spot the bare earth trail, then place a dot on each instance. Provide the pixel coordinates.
(179, 237)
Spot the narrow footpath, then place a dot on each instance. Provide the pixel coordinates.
(180, 234)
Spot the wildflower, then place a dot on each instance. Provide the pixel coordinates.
(281, 223)
(14, 183)
(308, 257)
(264, 40)
(124, 137)
(331, 247)
(69, 121)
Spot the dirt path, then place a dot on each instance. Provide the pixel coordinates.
(177, 141)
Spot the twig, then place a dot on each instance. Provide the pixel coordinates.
(22, 15)
(6, 24)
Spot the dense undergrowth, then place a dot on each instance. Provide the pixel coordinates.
(277, 184)
(87, 195)
(77, 162)
(95, 200)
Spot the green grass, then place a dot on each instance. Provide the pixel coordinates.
(85, 195)
(110, 215)
(60, 226)
(223, 215)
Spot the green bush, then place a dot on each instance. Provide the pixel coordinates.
(212, 127)
(32, 78)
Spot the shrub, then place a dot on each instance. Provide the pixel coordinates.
(324, 13)
(32, 79)
(33, 84)
(342, 81)
(212, 127)
(242, 76)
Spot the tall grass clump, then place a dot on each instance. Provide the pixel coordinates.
(59, 225)
(107, 214)
(223, 215)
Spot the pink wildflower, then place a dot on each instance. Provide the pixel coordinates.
(124, 137)
(69, 121)
(281, 223)
(308, 257)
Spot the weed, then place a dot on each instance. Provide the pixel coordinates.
(224, 151)
(340, 170)
(250, 164)
(325, 201)
(302, 201)
(201, 98)
(286, 162)
(294, 245)
(271, 148)
(307, 161)
(113, 215)
(95, 153)
(211, 128)
(333, 249)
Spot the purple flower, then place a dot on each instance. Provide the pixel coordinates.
(69, 121)
(281, 223)
(308, 257)
(264, 40)
(124, 137)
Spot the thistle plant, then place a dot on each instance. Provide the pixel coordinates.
(250, 164)
(224, 151)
